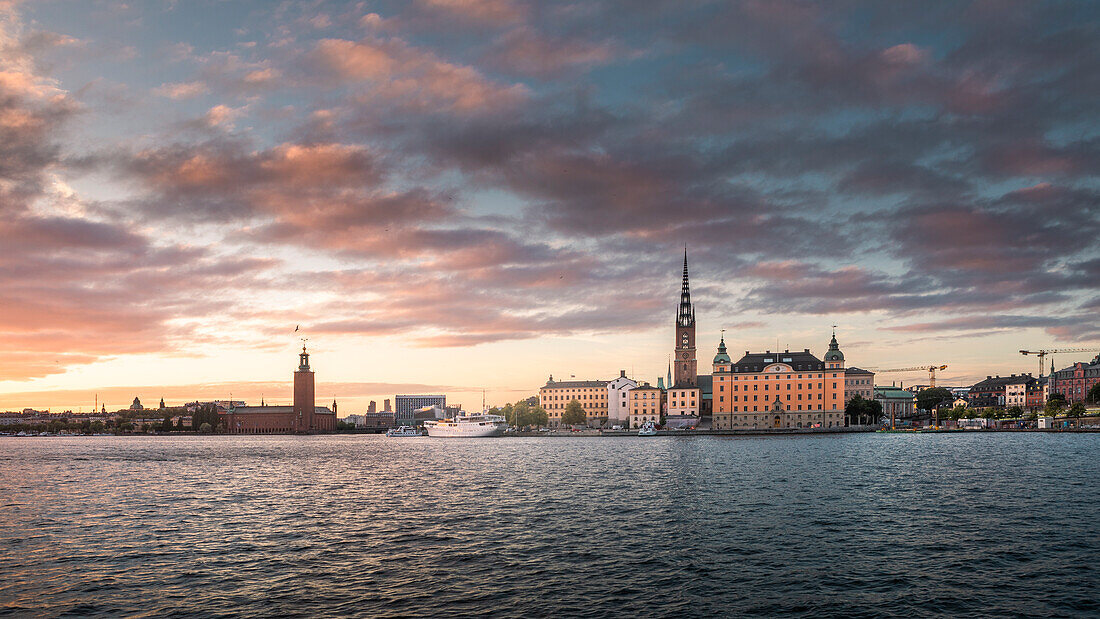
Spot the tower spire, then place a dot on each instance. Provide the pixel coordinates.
(685, 316)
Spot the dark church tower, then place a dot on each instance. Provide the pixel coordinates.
(685, 366)
(304, 394)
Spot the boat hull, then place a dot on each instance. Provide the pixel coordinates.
(463, 430)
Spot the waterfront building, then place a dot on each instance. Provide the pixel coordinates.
(379, 420)
(858, 381)
(646, 403)
(995, 391)
(1075, 381)
(618, 406)
(897, 403)
(355, 420)
(405, 406)
(303, 417)
(592, 395)
(778, 390)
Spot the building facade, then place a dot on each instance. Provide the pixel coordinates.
(1001, 391)
(859, 382)
(618, 404)
(779, 390)
(897, 404)
(646, 403)
(405, 406)
(592, 395)
(1075, 381)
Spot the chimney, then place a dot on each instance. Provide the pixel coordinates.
(805, 350)
(622, 373)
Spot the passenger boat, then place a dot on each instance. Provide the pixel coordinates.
(403, 431)
(471, 425)
(648, 429)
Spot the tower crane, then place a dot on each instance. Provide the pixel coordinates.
(1042, 353)
(931, 369)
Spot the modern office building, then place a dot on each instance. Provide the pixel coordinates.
(405, 406)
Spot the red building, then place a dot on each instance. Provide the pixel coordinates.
(304, 417)
(1075, 381)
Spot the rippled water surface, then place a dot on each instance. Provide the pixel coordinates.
(856, 525)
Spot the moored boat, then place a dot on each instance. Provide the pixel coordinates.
(403, 431)
(472, 425)
(648, 429)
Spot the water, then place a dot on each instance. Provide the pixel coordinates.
(858, 525)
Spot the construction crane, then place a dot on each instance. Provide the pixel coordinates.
(1043, 353)
(931, 369)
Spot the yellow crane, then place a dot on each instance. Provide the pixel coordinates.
(931, 369)
(1043, 353)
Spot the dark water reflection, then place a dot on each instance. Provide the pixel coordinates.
(870, 525)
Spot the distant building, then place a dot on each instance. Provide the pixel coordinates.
(618, 406)
(897, 404)
(592, 395)
(379, 420)
(646, 403)
(407, 405)
(355, 420)
(386, 406)
(303, 417)
(994, 391)
(1075, 381)
(859, 382)
(372, 407)
(136, 406)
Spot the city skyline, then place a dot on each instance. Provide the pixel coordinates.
(451, 196)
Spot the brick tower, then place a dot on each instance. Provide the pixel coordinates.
(304, 394)
(685, 365)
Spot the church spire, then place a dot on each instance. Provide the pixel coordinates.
(685, 317)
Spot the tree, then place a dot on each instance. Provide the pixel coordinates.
(167, 425)
(206, 428)
(516, 414)
(1094, 394)
(860, 409)
(929, 399)
(179, 423)
(97, 427)
(1056, 403)
(1014, 413)
(1077, 410)
(537, 417)
(574, 414)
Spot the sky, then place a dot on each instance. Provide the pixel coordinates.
(466, 196)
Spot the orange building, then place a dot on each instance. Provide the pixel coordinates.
(778, 390)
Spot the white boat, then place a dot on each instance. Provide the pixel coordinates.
(403, 431)
(648, 429)
(469, 425)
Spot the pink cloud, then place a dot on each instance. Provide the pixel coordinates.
(393, 71)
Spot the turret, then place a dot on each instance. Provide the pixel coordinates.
(834, 359)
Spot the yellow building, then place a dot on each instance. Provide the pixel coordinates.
(645, 404)
(554, 396)
(778, 390)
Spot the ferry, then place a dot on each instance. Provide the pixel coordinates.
(403, 431)
(469, 425)
(648, 429)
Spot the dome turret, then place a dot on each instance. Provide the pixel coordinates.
(722, 357)
(834, 353)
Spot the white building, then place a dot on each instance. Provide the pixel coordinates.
(618, 406)
(356, 420)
